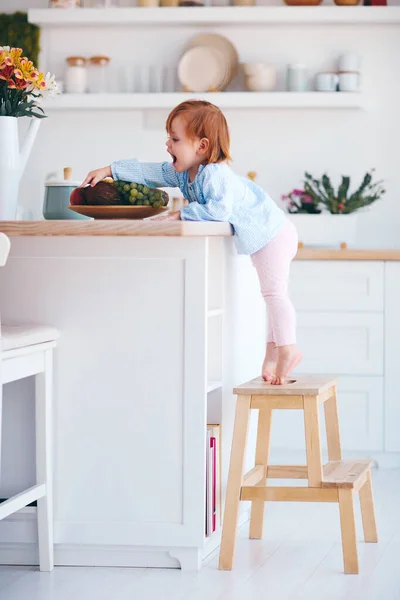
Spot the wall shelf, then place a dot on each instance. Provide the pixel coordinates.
(222, 99)
(228, 15)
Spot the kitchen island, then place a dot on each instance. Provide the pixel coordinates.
(144, 362)
(158, 322)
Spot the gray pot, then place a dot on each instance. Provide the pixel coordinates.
(56, 200)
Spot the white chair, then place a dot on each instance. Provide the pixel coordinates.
(27, 350)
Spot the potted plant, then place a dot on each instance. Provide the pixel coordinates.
(336, 221)
(22, 87)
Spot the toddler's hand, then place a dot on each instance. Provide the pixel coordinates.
(94, 177)
(174, 216)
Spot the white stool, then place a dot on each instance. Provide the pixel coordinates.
(27, 350)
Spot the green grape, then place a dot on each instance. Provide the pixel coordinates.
(132, 193)
(133, 185)
(139, 187)
(140, 196)
(146, 203)
(145, 190)
(126, 187)
(156, 204)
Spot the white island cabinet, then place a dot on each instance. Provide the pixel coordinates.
(158, 322)
(140, 310)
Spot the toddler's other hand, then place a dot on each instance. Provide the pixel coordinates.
(94, 177)
(174, 216)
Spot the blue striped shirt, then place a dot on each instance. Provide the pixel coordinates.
(216, 194)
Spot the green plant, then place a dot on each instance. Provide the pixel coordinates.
(341, 202)
(15, 31)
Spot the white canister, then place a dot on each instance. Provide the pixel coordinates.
(350, 61)
(326, 82)
(296, 78)
(75, 79)
(349, 82)
(259, 77)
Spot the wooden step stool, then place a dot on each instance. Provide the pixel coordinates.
(337, 481)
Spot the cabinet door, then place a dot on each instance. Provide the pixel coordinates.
(360, 406)
(392, 363)
(337, 285)
(342, 343)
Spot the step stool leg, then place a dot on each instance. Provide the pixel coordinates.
(368, 511)
(235, 478)
(332, 427)
(44, 449)
(313, 441)
(348, 527)
(262, 458)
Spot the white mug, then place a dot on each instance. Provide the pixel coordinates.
(349, 82)
(349, 62)
(326, 82)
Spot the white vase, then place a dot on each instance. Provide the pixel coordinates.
(12, 163)
(325, 230)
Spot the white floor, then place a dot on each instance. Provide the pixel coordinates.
(299, 558)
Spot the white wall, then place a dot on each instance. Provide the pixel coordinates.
(278, 144)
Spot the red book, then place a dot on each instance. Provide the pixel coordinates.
(214, 482)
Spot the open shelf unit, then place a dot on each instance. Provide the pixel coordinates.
(215, 15)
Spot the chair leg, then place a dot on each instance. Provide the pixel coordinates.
(313, 441)
(348, 527)
(235, 478)
(262, 458)
(332, 428)
(368, 511)
(44, 432)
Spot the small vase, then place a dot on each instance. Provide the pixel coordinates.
(12, 163)
(325, 230)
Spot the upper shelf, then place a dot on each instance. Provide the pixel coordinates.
(222, 99)
(224, 15)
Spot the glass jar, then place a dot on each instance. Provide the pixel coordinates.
(75, 75)
(99, 74)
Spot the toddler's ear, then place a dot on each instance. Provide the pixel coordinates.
(204, 146)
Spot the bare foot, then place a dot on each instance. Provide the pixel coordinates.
(270, 361)
(288, 358)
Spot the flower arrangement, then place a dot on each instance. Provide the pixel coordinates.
(320, 194)
(22, 85)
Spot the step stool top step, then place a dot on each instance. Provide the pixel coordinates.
(345, 473)
(302, 385)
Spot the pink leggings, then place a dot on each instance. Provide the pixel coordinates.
(272, 263)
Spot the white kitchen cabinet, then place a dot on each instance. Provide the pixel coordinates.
(337, 286)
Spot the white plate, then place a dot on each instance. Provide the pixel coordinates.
(219, 42)
(202, 69)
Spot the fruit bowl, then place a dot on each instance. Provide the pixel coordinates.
(117, 212)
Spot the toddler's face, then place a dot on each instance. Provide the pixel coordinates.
(183, 150)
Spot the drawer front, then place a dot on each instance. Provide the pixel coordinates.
(342, 343)
(360, 406)
(337, 285)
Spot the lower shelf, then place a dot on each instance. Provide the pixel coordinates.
(222, 99)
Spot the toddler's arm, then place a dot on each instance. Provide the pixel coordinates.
(150, 174)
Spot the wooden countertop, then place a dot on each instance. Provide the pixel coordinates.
(115, 227)
(171, 228)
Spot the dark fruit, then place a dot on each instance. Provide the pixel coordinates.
(78, 197)
(103, 194)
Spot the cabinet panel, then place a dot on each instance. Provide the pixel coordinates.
(337, 285)
(342, 343)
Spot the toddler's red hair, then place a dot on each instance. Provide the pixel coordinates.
(204, 120)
